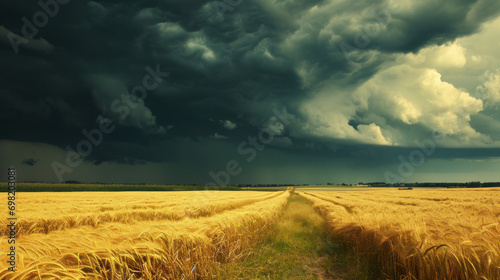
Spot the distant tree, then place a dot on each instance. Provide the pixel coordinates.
(72, 182)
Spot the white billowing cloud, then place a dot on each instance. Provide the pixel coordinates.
(197, 46)
(489, 91)
(410, 93)
(373, 134)
(448, 56)
(484, 45)
(419, 96)
(328, 114)
(229, 125)
(390, 102)
(170, 30)
(262, 55)
(218, 136)
(190, 49)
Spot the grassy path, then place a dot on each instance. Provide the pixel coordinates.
(298, 248)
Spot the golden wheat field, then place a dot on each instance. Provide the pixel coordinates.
(419, 234)
(137, 235)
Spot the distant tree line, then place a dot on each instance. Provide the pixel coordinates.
(473, 184)
(266, 185)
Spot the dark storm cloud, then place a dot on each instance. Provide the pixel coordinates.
(29, 161)
(424, 22)
(238, 69)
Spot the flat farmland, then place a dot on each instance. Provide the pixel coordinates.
(419, 234)
(311, 232)
(136, 235)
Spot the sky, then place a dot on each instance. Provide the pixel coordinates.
(250, 91)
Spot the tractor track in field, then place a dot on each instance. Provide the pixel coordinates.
(298, 248)
(348, 208)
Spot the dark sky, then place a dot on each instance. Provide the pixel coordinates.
(250, 91)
